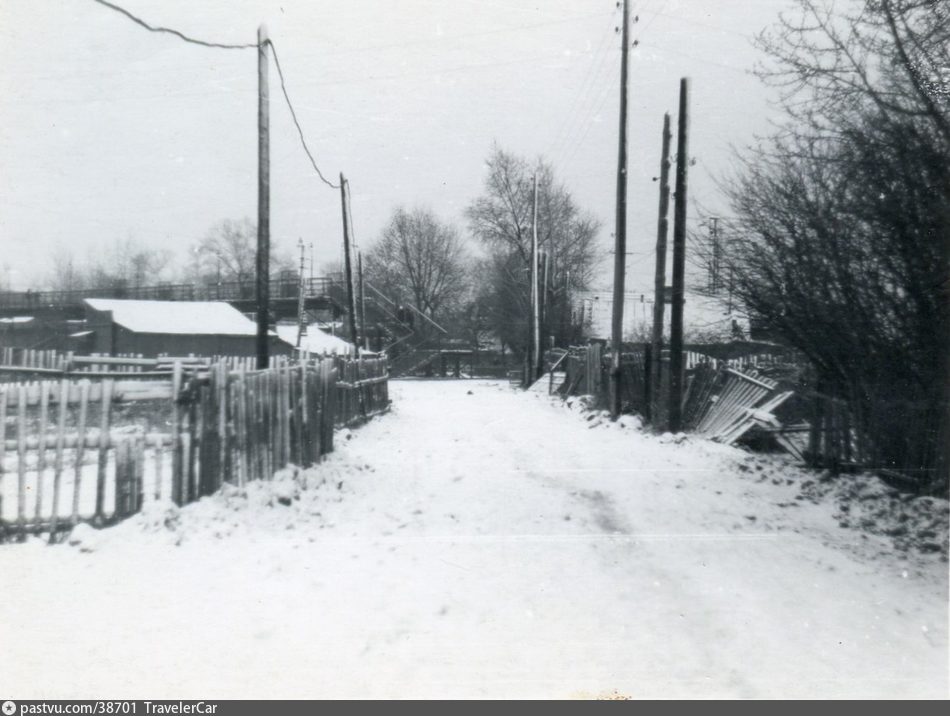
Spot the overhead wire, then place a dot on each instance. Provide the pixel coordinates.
(593, 70)
(441, 70)
(455, 38)
(182, 36)
(598, 104)
(225, 46)
(576, 136)
(579, 125)
(660, 13)
(293, 115)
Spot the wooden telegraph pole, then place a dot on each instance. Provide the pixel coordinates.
(263, 201)
(543, 291)
(301, 299)
(620, 229)
(535, 361)
(662, 229)
(348, 263)
(679, 262)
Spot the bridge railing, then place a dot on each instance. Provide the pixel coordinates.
(283, 287)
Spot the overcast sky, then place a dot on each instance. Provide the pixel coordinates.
(108, 131)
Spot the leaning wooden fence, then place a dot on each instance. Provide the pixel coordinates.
(903, 439)
(94, 450)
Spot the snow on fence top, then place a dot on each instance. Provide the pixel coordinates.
(16, 319)
(183, 317)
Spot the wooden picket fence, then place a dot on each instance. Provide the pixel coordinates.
(31, 358)
(17, 363)
(95, 449)
(587, 372)
(584, 371)
(720, 401)
(907, 441)
(751, 361)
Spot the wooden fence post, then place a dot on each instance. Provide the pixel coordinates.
(177, 481)
(58, 463)
(243, 446)
(105, 416)
(138, 454)
(84, 388)
(224, 468)
(3, 444)
(120, 452)
(21, 459)
(41, 450)
(191, 450)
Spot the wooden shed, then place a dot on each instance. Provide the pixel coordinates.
(153, 328)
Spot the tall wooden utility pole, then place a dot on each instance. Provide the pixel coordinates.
(535, 362)
(359, 271)
(662, 229)
(301, 299)
(543, 276)
(348, 263)
(715, 267)
(263, 201)
(620, 229)
(679, 262)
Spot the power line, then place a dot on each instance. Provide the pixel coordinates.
(578, 125)
(597, 61)
(706, 60)
(598, 104)
(454, 38)
(176, 33)
(698, 23)
(440, 71)
(223, 46)
(293, 115)
(656, 14)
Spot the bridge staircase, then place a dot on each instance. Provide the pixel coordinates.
(410, 338)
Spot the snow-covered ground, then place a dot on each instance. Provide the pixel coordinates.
(478, 541)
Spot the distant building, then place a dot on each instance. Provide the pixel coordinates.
(20, 332)
(705, 318)
(153, 328)
(316, 341)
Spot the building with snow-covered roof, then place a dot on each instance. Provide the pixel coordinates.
(316, 342)
(154, 328)
(20, 332)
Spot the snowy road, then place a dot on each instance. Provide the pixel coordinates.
(481, 542)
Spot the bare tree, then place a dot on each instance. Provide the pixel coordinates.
(229, 253)
(501, 219)
(230, 247)
(65, 274)
(419, 259)
(123, 266)
(841, 235)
